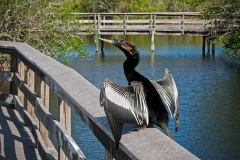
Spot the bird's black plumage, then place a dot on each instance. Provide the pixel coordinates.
(143, 101)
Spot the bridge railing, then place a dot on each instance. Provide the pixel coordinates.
(144, 23)
(77, 95)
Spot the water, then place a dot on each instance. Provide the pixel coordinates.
(209, 92)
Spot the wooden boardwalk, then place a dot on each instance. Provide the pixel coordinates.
(16, 140)
(28, 63)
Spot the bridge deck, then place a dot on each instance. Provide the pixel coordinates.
(16, 141)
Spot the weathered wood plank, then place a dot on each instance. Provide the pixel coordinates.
(21, 71)
(54, 127)
(65, 121)
(45, 99)
(16, 140)
(44, 153)
(31, 84)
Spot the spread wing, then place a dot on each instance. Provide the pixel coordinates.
(167, 90)
(123, 105)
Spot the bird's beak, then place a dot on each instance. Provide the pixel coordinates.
(106, 40)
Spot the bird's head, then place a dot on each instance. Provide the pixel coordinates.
(127, 47)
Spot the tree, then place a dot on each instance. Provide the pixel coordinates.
(47, 25)
(227, 12)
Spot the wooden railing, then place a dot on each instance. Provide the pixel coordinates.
(78, 95)
(144, 23)
(159, 23)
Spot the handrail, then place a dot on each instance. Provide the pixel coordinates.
(82, 97)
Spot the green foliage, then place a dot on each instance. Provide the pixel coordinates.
(65, 61)
(140, 5)
(227, 12)
(107, 6)
(4, 61)
(145, 6)
(47, 25)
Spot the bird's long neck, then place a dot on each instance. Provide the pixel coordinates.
(129, 70)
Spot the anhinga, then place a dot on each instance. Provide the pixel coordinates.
(143, 102)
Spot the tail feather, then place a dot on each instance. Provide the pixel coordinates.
(116, 129)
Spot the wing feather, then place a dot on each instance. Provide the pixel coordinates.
(167, 89)
(123, 105)
(126, 104)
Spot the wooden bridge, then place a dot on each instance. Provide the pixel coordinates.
(176, 23)
(159, 23)
(27, 106)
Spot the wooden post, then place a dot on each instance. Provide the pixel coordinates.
(22, 75)
(151, 21)
(96, 40)
(152, 58)
(155, 19)
(13, 86)
(31, 84)
(95, 21)
(152, 41)
(182, 25)
(209, 38)
(208, 46)
(104, 20)
(99, 21)
(14, 69)
(213, 47)
(45, 100)
(97, 27)
(65, 121)
(203, 45)
(102, 46)
(125, 23)
(213, 33)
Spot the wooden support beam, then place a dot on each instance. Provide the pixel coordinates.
(21, 72)
(203, 45)
(14, 69)
(208, 46)
(152, 40)
(31, 84)
(96, 40)
(213, 48)
(102, 45)
(182, 25)
(65, 121)
(45, 100)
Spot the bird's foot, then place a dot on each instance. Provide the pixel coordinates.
(150, 126)
(140, 128)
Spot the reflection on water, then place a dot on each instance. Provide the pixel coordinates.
(209, 93)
